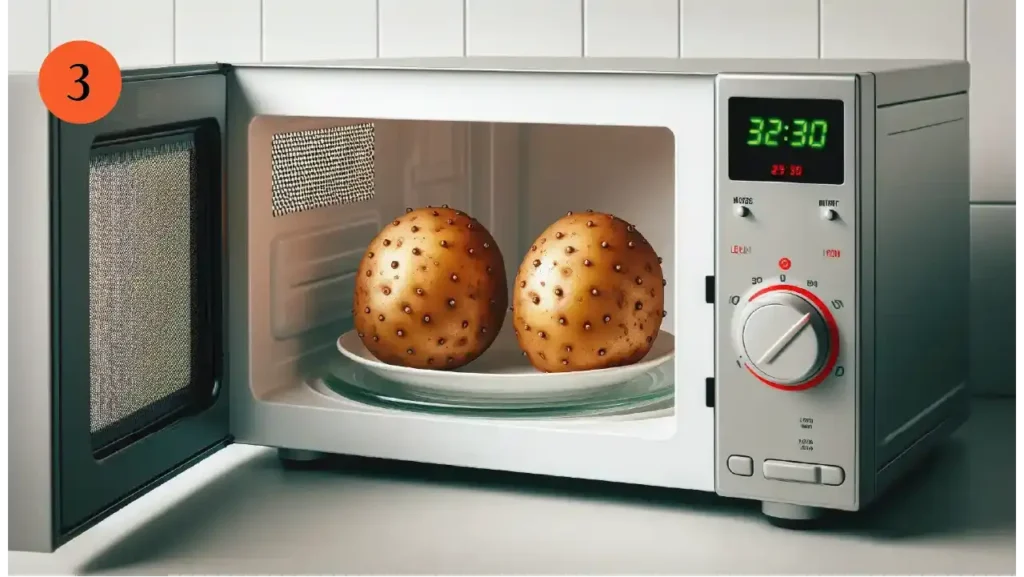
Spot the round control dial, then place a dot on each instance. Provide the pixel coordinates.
(785, 338)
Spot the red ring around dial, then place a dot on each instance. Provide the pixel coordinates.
(833, 336)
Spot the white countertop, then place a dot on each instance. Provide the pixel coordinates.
(240, 512)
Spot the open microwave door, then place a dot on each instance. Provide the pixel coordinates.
(115, 299)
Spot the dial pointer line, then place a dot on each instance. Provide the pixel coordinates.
(784, 340)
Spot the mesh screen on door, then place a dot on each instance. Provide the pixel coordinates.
(141, 258)
(323, 167)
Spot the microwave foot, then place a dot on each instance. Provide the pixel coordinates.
(297, 456)
(791, 516)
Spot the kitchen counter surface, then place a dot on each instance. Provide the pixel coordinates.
(240, 512)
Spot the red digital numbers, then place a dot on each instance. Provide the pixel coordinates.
(795, 170)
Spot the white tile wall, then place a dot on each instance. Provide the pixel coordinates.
(635, 28)
(418, 28)
(524, 27)
(893, 28)
(745, 28)
(319, 29)
(136, 33)
(154, 32)
(28, 39)
(990, 41)
(221, 31)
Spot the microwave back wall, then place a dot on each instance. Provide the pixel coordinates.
(182, 270)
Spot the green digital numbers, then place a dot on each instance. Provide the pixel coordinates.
(819, 128)
(756, 131)
(802, 133)
(798, 138)
(771, 138)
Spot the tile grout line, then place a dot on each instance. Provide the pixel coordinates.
(376, 40)
(967, 30)
(465, 27)
(821, 10)
(679, 28)
(174, 31)
(583, 28)
(262, 32)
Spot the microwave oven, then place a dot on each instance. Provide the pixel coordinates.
(182, 269)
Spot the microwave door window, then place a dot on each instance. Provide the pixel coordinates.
(142, 253)
(136, 393)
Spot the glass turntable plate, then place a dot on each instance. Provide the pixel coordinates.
(653, 390)
(503, 383)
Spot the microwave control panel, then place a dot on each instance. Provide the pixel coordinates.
(786, 184)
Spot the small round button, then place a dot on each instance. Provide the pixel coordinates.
(740, 210)
(828, 214)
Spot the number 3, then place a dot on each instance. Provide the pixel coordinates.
(756, 126)
(81, 80)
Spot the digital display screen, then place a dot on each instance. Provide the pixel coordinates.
(786, 139)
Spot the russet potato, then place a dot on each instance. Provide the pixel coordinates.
(588, 295)
(431, 290)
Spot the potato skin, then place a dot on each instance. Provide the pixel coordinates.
(588, 295)
(431, 290)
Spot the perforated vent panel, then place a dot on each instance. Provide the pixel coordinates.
(316, 168)
(141, 254)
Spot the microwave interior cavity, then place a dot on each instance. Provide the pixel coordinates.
(320, 190)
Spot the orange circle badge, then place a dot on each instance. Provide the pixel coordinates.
(80, 82)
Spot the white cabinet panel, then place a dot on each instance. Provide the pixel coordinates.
(634, 28)
(28, 40)
(892, 28)
(991, 41)
(138, 33)
(524, 27)
(319, 29)
(217, 31)
(420, 28)
(993, 299)
(749, 28)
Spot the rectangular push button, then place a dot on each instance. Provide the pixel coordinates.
(832, 475)
(740, 465)
(790, 471)
(803, 472)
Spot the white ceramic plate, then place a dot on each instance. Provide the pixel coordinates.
(502, 372)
